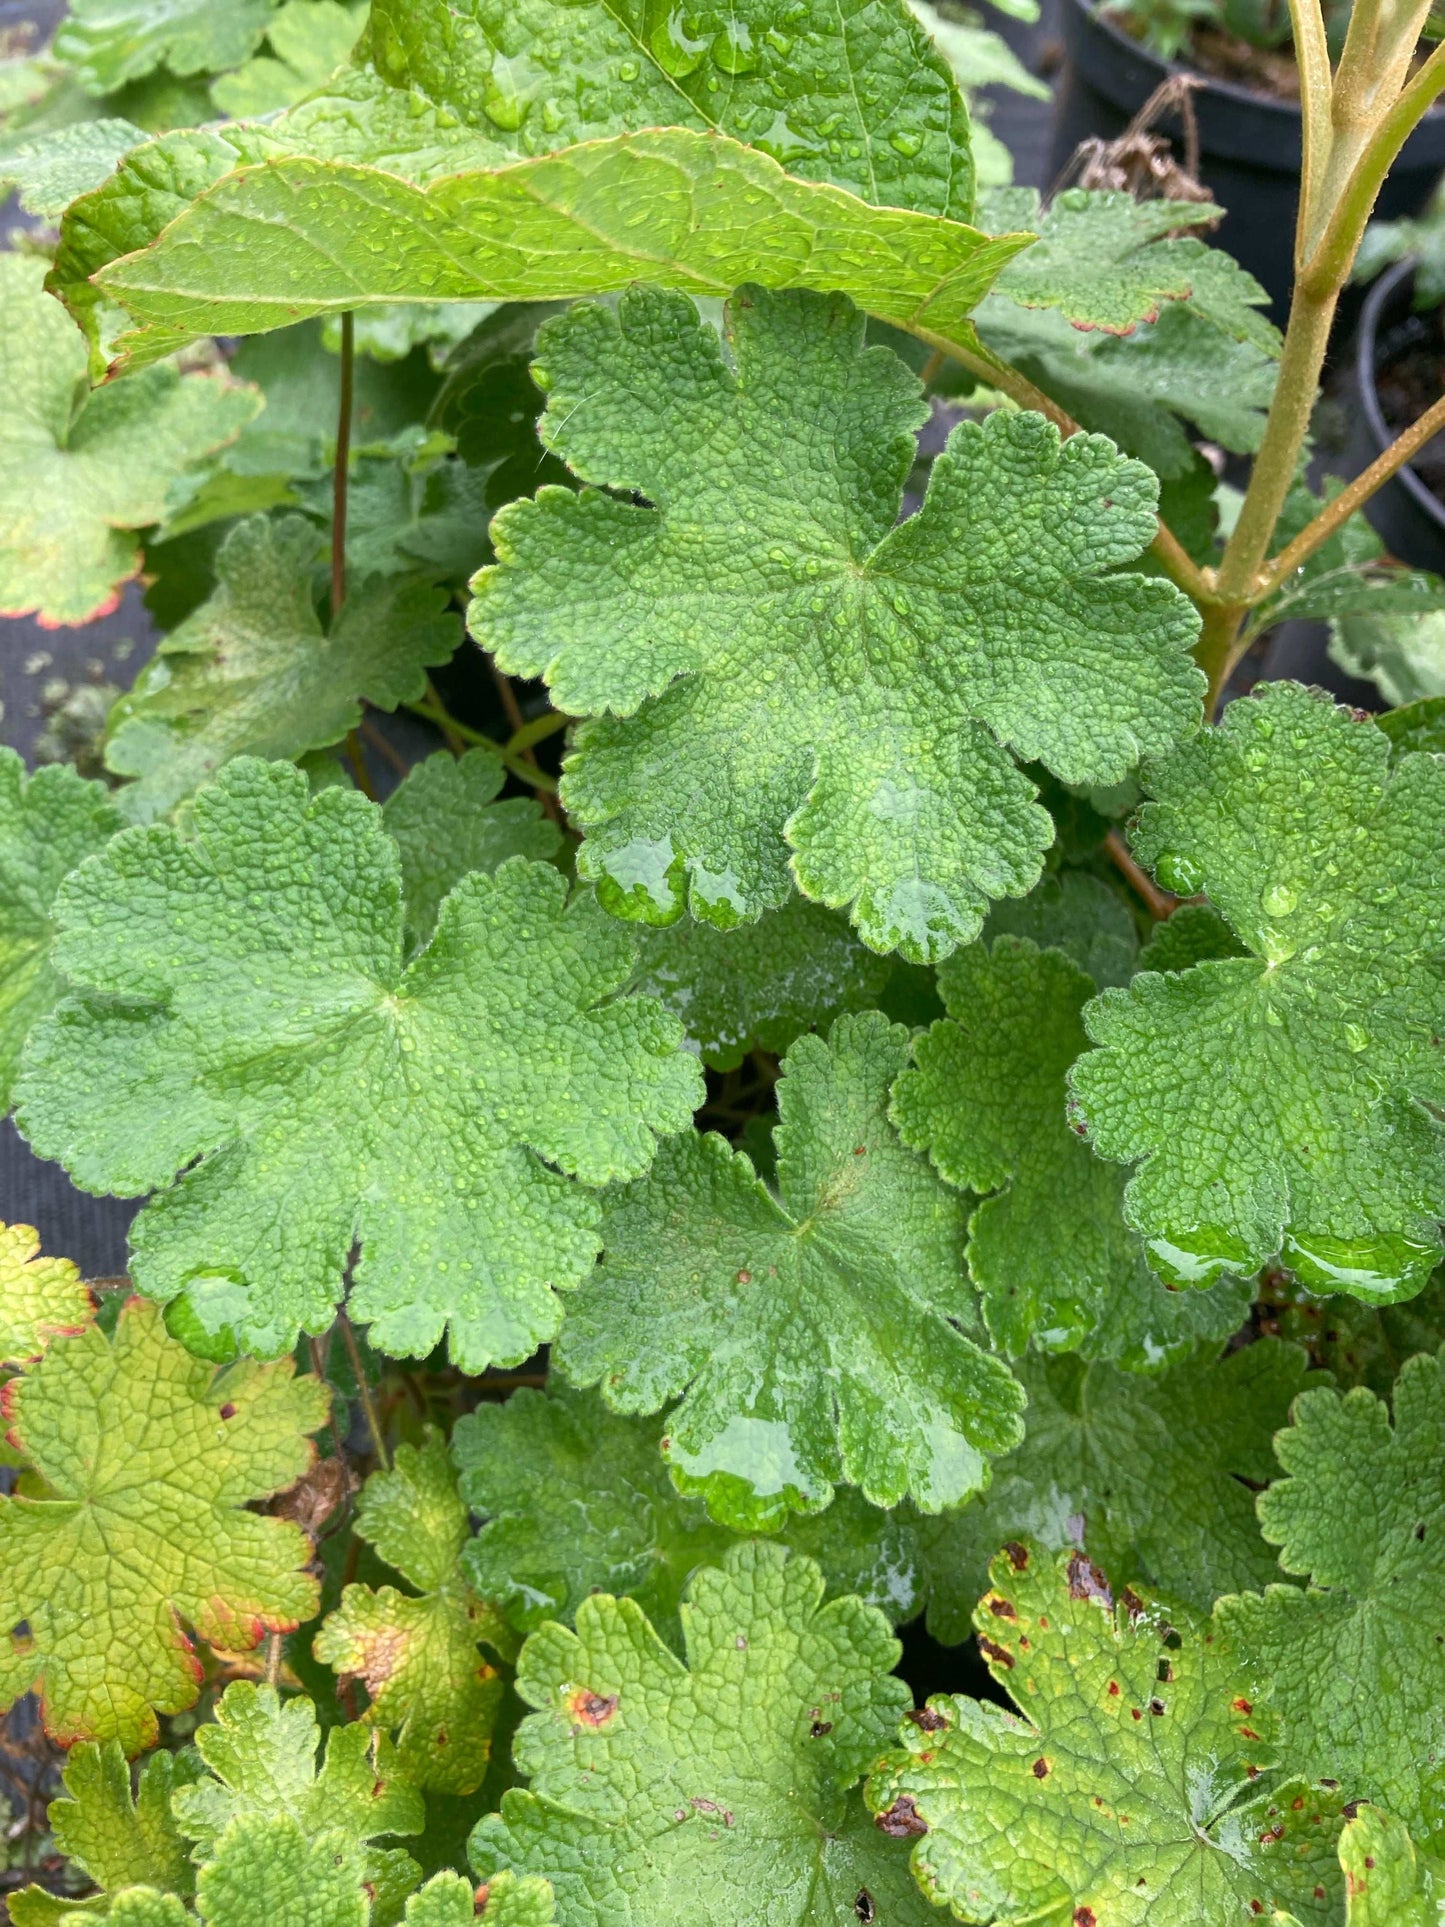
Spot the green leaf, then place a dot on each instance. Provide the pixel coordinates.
(1417, 725)
(724, 1779)
(56, 168)
(261, 1752)
(814, 1334)
(694, 211)
(1152, 1475)
(1123, 1791)
(417, 1656)
(269, 1869)
(767, 656)
(1358, 1344)
(1402, 650)
(80, 469)
(1106, 261)
(977, 57)
(123, 1839)
(1193, 934)
(1138, 388)
(1358, 1657)
(40, 1298)
(1278, 1101)
(48, 823)
(759, 987)
(506, 1901)
(277, 1035)
(108, 42)
(1072, 911)
(148, 1457)
(307, 40)
(445, 822)
(576, 1500)
(868, 102)
(253, 672)
(1055, 1264)
(1387, 1883)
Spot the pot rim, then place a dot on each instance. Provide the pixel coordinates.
(1229, 90)
(1366, 355)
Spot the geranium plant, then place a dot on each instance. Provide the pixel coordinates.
(869, 1089)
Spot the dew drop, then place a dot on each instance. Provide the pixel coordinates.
(906, 141)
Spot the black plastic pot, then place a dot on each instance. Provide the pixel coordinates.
(1407, 515)
(1249, 144)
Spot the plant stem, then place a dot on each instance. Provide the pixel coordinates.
(1161, 904)
(1168, 551)
(450, 729)
(1312, 57)
(1219, 649)
(1339, 511)
(440, 719)
(273, 1660)
(341, 472)
(383, 748)
(363, 1391)
(1275, 466)
(356, 756)
(512, 709)
(537, 731)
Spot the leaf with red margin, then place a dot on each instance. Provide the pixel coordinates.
(40, 1298)
(148, 1457)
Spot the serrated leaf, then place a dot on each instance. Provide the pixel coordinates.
(694, 211)
(57, 167)
(1072, 911)
(760, 986)
(506, 1901)
(575, 1500)
(109, 42)
(1153, 1476)
(261, 1752)
(267, 1869)
(1193, 934)
(1375, 605)
(1055, 1264)
(148, 1456)
(40, 1298)
(1401, 650)
(253, 672)
(134, 1907)
(1358, 1656)
(1278, 1101)
(277, 1036)
(1106, 261)
(80, 469)
(306, 41)
(1387, 1883)
(1141, 387)
(814, 1335)
(641, 1793)
(1358, 1344)
(445, 821)
(49, 822)
(123, 1839)
(767, 657)
(1417, 725)
(1124, 1790)
(870, 104)
(417, 1655)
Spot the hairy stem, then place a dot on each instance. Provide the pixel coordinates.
(363, 1392)
(273, 1660)
(1168, 551)
(341, 472)
(1336, 513)
(1219, 648)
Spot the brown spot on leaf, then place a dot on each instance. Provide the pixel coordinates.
(1087, 1582)
(1350, 1809)
(745, 1277)
(1242, 1706)
(1132, 1604)
(1002, 1608)
(820, 1729)
(1084, 1917)
(1156, 1707)
(926, 1719)
(1113, 1689)
(1018, 1556)
(1041, 1769)
(863, 1905)
(991, 1650)
(228, 1410)
(901, 1821)
(586, 1708)
(1248, 1733)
